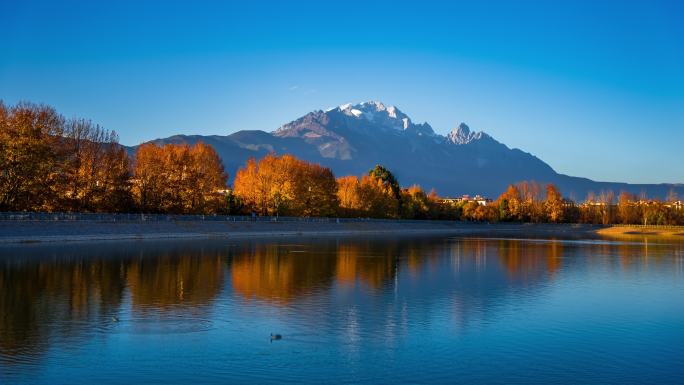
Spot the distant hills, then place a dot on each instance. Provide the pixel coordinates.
(351, 139)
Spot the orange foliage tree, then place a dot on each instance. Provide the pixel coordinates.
(30, 162)
(416, 204)
(96, 173)
(349, 196)
(554, 205)
(178, 179)
(285, 185)
(522, 202)
(629, 211)
(49, 163)
(367, 197)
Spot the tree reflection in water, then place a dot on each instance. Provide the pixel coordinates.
(54, 294)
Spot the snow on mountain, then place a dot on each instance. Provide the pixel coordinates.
(462, 135)
(383, 116)
(333, 131)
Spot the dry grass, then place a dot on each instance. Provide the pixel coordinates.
(665, 231)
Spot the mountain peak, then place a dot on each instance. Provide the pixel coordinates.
(463, 129)
(377, 112)
(463, 135)
(370, 106)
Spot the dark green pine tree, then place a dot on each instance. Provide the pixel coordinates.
(387, 178)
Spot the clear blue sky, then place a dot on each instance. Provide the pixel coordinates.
(594, 88)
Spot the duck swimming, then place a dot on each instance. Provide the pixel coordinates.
(276, 337)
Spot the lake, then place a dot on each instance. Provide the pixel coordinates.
(375, 310)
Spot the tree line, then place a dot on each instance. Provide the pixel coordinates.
(49, 163)
(287, 186)
(527, 202)
(284, 185)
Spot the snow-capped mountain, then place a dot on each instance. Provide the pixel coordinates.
(375, 112)
(352, 138)
(463, 135)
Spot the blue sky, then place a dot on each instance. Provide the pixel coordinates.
(595, 90)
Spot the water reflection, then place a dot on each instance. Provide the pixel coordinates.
(360, 263)
(44, 298)
(523, 259)
(165, 282)
(358, 290)
(279, 273)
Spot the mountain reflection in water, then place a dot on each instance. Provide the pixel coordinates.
(367, 294)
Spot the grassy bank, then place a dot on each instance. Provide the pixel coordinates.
(640, 231)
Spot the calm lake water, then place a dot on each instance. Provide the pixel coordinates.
(420, 310)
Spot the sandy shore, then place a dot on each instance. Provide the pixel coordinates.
(74, 231)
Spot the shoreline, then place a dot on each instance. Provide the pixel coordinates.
(45, 231)
(208, 236)
(640, 231)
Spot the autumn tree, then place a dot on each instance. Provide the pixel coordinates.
(521, 202)
(95, 173)
(315, 190)
(553, 205)
(149, 179)
(366, 197)
(47, 163)
(203, 180)
(474, 211)
(384, 187)
(388, 179)
(589, 212)
(114, 186)
(607, 207)
(628, 209)
(285, 185)
(654, 212)
(511, 205)
(378, 197)
(29, 160)
(179, 179)
(349, 196)
(487, 213)
(533, 206)
(415, 203)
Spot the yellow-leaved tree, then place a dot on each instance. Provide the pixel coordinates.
(285, 185)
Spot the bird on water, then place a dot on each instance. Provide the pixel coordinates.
(276, 337)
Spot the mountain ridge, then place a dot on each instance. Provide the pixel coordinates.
(352, 138)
